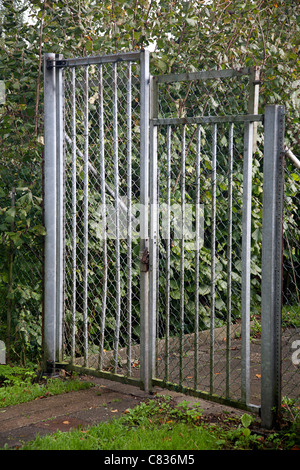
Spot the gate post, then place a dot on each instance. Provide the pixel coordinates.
(145, 337)
(154, 232)
(60, 168)
(50, 211)
(272, 234)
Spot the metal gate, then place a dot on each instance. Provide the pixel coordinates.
(148, 211)
(97, 227)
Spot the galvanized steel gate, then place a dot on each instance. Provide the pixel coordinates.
(142, 257)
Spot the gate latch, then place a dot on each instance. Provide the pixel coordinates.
(145, 261)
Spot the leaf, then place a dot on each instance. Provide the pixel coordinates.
(39, 230)
(246, 432)
(246, 420)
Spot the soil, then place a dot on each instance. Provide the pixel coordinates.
(107, 400)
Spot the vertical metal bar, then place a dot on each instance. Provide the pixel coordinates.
(60, 209)
(254, 80)
(213, 254)
(182, 253)
(74, 211)
(272, 235)
(154, 232)
(155, 312)
(85, 212)
(153, 249)
(103, 209)
(147, 332)
(129, 223)
(50, 209)
(229, 260)
(246, 259)
(197, 260)
(117, 211)
(168, 255)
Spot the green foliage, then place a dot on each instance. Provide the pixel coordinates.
(187, 36)
(154, 425)
(161, 424)
(22, 385)
(15, 375)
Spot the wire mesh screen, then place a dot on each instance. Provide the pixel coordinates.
(199, 325)
(21, 259)
(291, 284)
(102, 112)
(217, 96)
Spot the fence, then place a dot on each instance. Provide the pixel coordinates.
(291, 274)
(98, 280)
(155, 308)
(204, 303)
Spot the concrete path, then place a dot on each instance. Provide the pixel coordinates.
(107, 400)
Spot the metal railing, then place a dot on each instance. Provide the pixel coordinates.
(157, 253)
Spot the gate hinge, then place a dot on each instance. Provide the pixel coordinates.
(145, 261)
(55, 63)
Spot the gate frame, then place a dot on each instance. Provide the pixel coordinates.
(54, 165)
(272, 264)
(272, 231)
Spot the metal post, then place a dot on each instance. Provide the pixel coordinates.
(86, 211)
(129, 218)
(154, 233)
(197, 257)
(50, 208)
(146, 340)
(254, 81)
(246, 259)
(182, 253)
(60, 208)
(168, 255)
(117, 212)
(272, 234)
(213, 257)
(103, 203)
(74, 213)
(229, 260)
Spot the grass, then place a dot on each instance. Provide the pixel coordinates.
(18, 385)
(291, 316)
(154, 425)
(160, 424)
(118, 436)
(290, 319)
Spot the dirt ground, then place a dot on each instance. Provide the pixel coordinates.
(107, 400)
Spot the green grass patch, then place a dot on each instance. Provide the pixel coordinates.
(154, 425)
(291, 316)
(19, 385)
(116, 435)
(160, 424)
